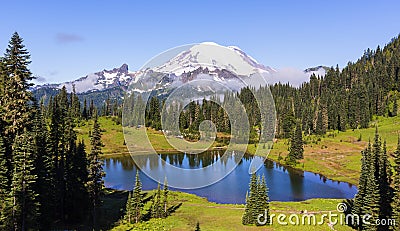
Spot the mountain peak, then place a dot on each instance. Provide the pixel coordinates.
(213, 56)
(210, 43)
(123, 68)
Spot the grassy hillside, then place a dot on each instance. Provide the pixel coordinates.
(212, 216)
(335, 155)
(338, 154)
(112, 135)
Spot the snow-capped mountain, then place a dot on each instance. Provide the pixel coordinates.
(208, 63)
(102, 80)
(204, 60)
(214, 57)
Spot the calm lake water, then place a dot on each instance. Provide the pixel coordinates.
(285, 184)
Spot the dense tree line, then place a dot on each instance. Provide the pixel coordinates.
(46, 174)
(108, 101)
(343, 99)
(242, 105)
(88, 110)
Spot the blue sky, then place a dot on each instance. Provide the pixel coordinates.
(70, 39)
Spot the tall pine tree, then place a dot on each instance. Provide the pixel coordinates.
(95, 168)
(257, 201)
(128, 208)
(4, 187)
(359, 200)
(296, 149)
(134, 205)
(165, 198)
(43, 164)
(157, 206)
(24, 207)
(396, 183)
(15, 96)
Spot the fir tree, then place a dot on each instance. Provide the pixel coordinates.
(3, 171)
(249, 215)
(95, 169)
(84, 110)
(258, 205)
(78, 196)
(153, 116)
(128, 208)
(359, 200)
(24, 204)
(396, 183)
(16, 96)
(298, 142)
(134, 204)
(62, 142)
(3, 79)
(92, 110)
(319, 125)
(296, 149)
(263, 199)
(246, 218)
(43, 165)
(385, 191)
(165, 198)
(137, 200)
(157, 206)
(4, 187)
(55, 142)
(257, 201)
(372, 199)
(253, 198)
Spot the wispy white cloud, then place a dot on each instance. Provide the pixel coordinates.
(65, 38)
(40, 79)
(294, 76)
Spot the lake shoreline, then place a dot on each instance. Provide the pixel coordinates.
(119, 167)
(224, 204)
(299, 168)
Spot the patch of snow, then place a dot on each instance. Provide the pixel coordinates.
(139, 90)
(110, 75)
